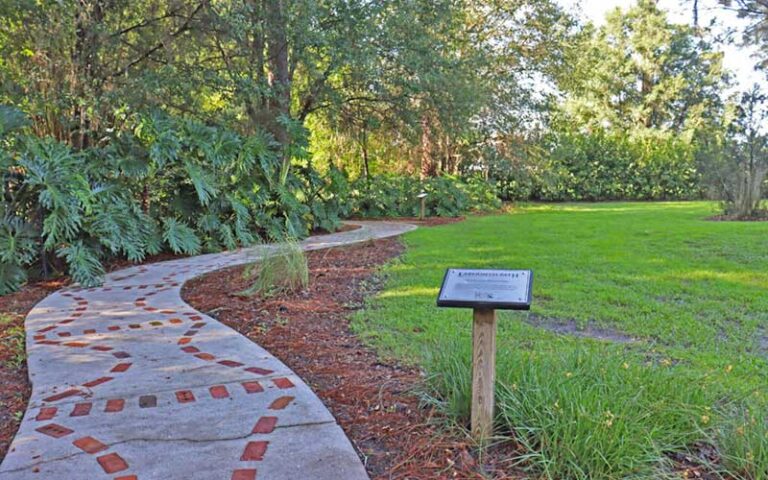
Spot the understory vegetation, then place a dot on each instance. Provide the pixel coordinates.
(133, 128)
(660, 353)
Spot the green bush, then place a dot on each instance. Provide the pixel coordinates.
(166, 184)
(597, 166)
(397, 196)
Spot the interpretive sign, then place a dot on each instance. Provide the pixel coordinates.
(490, 289)
(485, 291)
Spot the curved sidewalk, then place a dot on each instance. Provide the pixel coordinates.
(129, 382)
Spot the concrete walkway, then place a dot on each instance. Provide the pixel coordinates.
(129, 382)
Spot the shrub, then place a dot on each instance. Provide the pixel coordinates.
(597, 166)
(397, 196)
(166, 184)
(283, 269)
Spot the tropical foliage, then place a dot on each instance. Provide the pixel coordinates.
(167, 184)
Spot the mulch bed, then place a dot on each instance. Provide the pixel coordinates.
(14, 384)
(372, 399)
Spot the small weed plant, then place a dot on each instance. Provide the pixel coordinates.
(283, 269)
(13, 342)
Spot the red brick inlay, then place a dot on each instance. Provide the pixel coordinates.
(102, 348)
(89, 445)
(121, 355)
(219, 391)
(282, 383)
(39, 337)
(190, 349)
(185, 396)
(190, 333)
(230, 363)
(195, 317)
(134, 326)
(198, 325)
(64, 334)
(252, 387)
(64, 394)
(114, 405)
(46, 329)
(81, 309)
(127, 477)
(150, 309)
(46, 413)
(82, 302)
(259, 371)
(176, 320)
(280, 403)
(254, 451)
(54, 430)
(77, 314)
(112, 463)
(244, 474)
(140, 304)
(67, 321)
(182, 340)
(81, 409)
(265, 425)
(76, 344)
(168, 312)
(98, 381)
(49, 342)
(113, 328)
(121, 367)
(205, 356)
(89, 331)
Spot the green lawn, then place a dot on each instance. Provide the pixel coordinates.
(692, 292)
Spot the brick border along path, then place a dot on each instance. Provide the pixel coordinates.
(129, 382)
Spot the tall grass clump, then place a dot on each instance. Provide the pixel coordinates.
(581, 414)
(283, 269)
(742, 440)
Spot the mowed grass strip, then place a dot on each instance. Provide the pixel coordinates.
(691, 292)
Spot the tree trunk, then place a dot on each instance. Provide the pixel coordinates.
(366, 165)
(84, 57)
(428, 166)
(279, 73)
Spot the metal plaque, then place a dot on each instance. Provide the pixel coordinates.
(494, 289)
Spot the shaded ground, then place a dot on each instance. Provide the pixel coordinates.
(372, 399)
(14, 384)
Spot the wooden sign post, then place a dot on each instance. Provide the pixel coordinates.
(485, 291)
(423, 199)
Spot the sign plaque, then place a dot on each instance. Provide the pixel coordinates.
(486, 289)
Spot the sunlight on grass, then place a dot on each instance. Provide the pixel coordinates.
(693, 291)
(410, 292)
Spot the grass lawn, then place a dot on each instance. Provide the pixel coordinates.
(691, 292)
